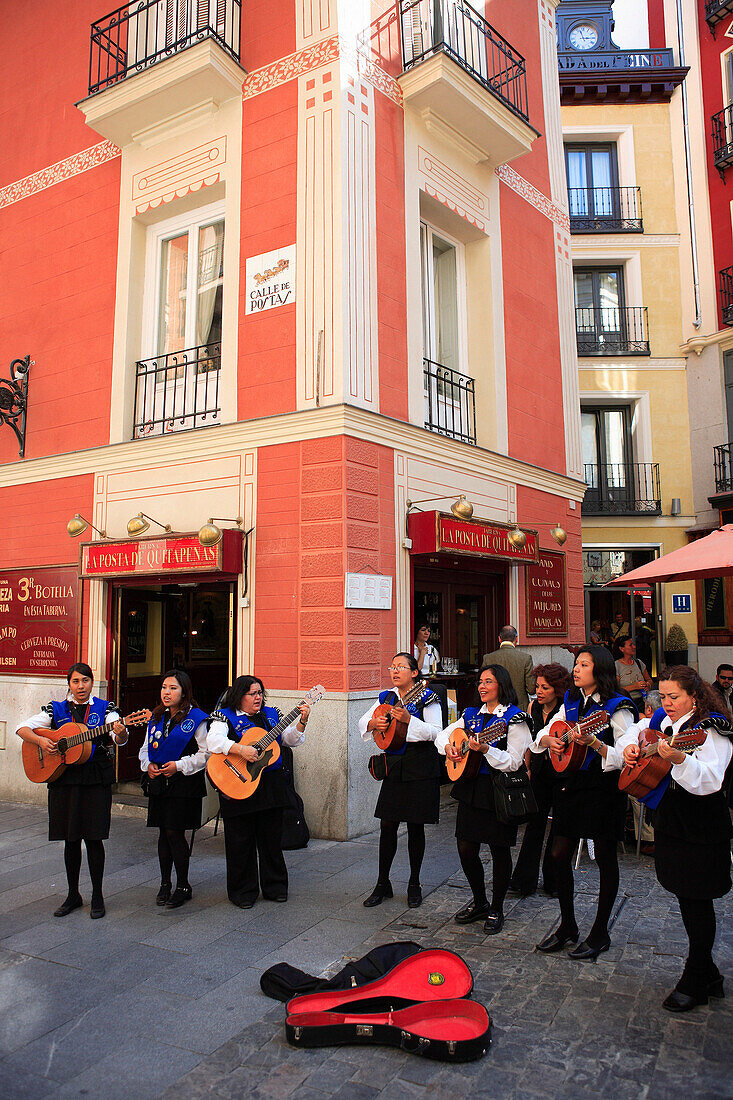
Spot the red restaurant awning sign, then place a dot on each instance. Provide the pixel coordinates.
(38, 620)
(433, 532)
(546, 595)
(177, 554)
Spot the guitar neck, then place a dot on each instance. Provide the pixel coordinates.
(274, 733)
(90, 734)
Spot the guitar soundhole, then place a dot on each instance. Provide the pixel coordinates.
(260, 763)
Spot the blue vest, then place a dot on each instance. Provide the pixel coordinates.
(164, 747)
(477, 721)
(238, 723)
(653, 798)
(417, 708)
(96, 713)
(611, 705)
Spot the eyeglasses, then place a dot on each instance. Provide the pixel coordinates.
(399, 668)
(254, 693)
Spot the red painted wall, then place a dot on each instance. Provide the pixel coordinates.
(36, 517)
(268, 32)
(655, 17)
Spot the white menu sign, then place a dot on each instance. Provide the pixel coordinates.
(368, 590)
(270, 280)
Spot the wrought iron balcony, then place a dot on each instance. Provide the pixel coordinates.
(605, 210)
(455, 28)
(622, 489)
(716, 11)
(722, 127)
(138, 35)
(177, 391)
(449, 402)
(723, 462)
(725, 286)
(612, 330)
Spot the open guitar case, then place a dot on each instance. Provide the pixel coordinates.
(420, 1005)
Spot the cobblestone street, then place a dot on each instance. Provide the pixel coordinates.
(149, 1002)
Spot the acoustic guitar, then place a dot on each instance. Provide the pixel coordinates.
(395, 734)
(572, 754)
(74, 742)
(235, 777)
(470, 762)
(649, 768)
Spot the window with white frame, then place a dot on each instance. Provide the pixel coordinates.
(177, 383)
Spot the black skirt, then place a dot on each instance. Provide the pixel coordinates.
(79, 811)
(589, 805)
(476, 820)
(175, 802)
(411, 791)
(699, 871)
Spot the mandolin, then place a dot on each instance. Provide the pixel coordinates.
(649, 769)
(235, 777)
(74, 742)
(571, 756)
(470, 762)
(396, 732)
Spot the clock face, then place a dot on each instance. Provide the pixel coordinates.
(583, 37)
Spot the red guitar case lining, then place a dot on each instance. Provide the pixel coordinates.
(431, 975)
(455, 1030)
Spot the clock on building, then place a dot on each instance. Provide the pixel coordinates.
(583, 36)
(584, 25)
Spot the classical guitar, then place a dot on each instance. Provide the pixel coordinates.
(572, 754)
(237, 778)
(470, 762)
(649, 768)
(74, 742)
(396, 732)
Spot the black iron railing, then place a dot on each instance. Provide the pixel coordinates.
(722, 128)
(605, 210)
(622, 488)
(612, 330)
(177, 391)
(454, 27)
(723, 461)
(717, 10)
(450, 407)
(725, 286)
(140, 34)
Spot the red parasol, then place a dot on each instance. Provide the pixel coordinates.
(711, 556)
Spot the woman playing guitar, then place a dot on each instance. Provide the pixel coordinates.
(411, 790)
(253, 826)
(80, 800)
(173, 757)
(476, 822)
(588, 804)
(692, 826)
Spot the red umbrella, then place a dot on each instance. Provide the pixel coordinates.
(708, 557)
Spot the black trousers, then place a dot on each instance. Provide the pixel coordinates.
(527, 868)
(254, 855)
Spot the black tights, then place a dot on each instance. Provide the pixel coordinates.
(698, 917)
(563, 848)
(388, 849)
(173, 848)
(473, 869)
(95, 859)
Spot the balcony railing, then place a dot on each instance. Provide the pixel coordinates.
(621, 489)
(725, 286)
(140, 34)
(605, 210)
(455, 28)
(611, 330)
(723, 461)
(177, 391)
(722, 128)
(449, 402)
(716, 11)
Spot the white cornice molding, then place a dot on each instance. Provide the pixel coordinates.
(625, 241)
(699, 343)
(269, 431)
(640, 363)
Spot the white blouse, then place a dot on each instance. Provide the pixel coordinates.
(702, 771)
(187, 765)
(622, 725)
(519, 739)
(426, 728)
(218, 740)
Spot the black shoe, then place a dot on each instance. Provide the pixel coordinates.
(556, 941)
(587, 951)
(97, 909)
(549, 891)
(381, 891)
(414, 895)
(68, 906)
(275, 897)
(163, 894)
(715, 988)
(179, 897)
(681, 1002)
(494, 922)
(243, 904)
(516, 892)
(472, 912)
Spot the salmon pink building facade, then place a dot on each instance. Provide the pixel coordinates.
(300, 268)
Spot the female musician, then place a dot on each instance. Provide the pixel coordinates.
(692, 826)
(253, 826)
(425, 654)
(173, 756)
(411, 790)
(588, 803)
(552, 681)
(476, 821)
(80, 800)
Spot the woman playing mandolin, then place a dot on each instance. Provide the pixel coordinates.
(476, 822)
(253, 826)
(411, 790)
(692, 826)
(588, 804)
(80, 799)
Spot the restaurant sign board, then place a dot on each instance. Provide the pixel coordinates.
(547, 595)
(433, 532)
(160, 556)
(39, 614)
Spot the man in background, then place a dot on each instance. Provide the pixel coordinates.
(723, 683)
(518, 665)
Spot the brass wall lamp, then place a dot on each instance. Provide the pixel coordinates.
(78, 525)
(211, 535)
(140, 523)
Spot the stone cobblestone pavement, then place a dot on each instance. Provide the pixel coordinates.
(149, 1002)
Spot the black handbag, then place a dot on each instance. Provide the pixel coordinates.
(378, 766)
(514, 799)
